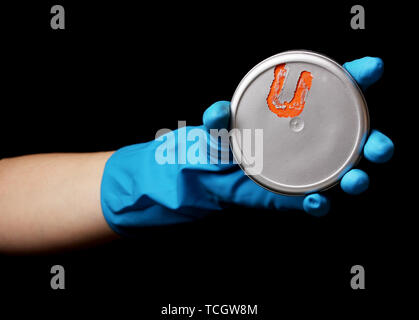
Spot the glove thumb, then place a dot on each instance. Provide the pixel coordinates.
(217, 116)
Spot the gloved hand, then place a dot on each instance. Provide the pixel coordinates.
(138, 191)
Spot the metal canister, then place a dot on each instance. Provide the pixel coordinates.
(314, 119)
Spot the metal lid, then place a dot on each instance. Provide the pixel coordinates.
(314, 119)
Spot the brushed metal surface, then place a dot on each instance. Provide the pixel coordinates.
(311, 152)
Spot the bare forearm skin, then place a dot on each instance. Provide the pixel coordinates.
(51, 202)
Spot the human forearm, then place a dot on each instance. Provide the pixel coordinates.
(51, 201)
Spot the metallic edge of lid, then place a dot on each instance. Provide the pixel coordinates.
(319, 59)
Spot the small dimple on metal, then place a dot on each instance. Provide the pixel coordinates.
(296, 124)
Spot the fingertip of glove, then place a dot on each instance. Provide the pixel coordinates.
(366, 70)
(316, 205)
(379, 148)
(355, 182)
(217, 116)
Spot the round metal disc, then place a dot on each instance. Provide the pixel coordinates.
(314, 120)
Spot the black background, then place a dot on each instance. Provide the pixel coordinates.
(97, 86)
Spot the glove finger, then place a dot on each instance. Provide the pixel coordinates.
(355, 182)
(365, 71)
(379, 148)
(248, 193)
(241, 190)
(316, 204)
(217, 116)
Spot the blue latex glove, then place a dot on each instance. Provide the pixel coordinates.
(137, 191)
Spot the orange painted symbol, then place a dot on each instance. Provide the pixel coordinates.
(294, 107)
